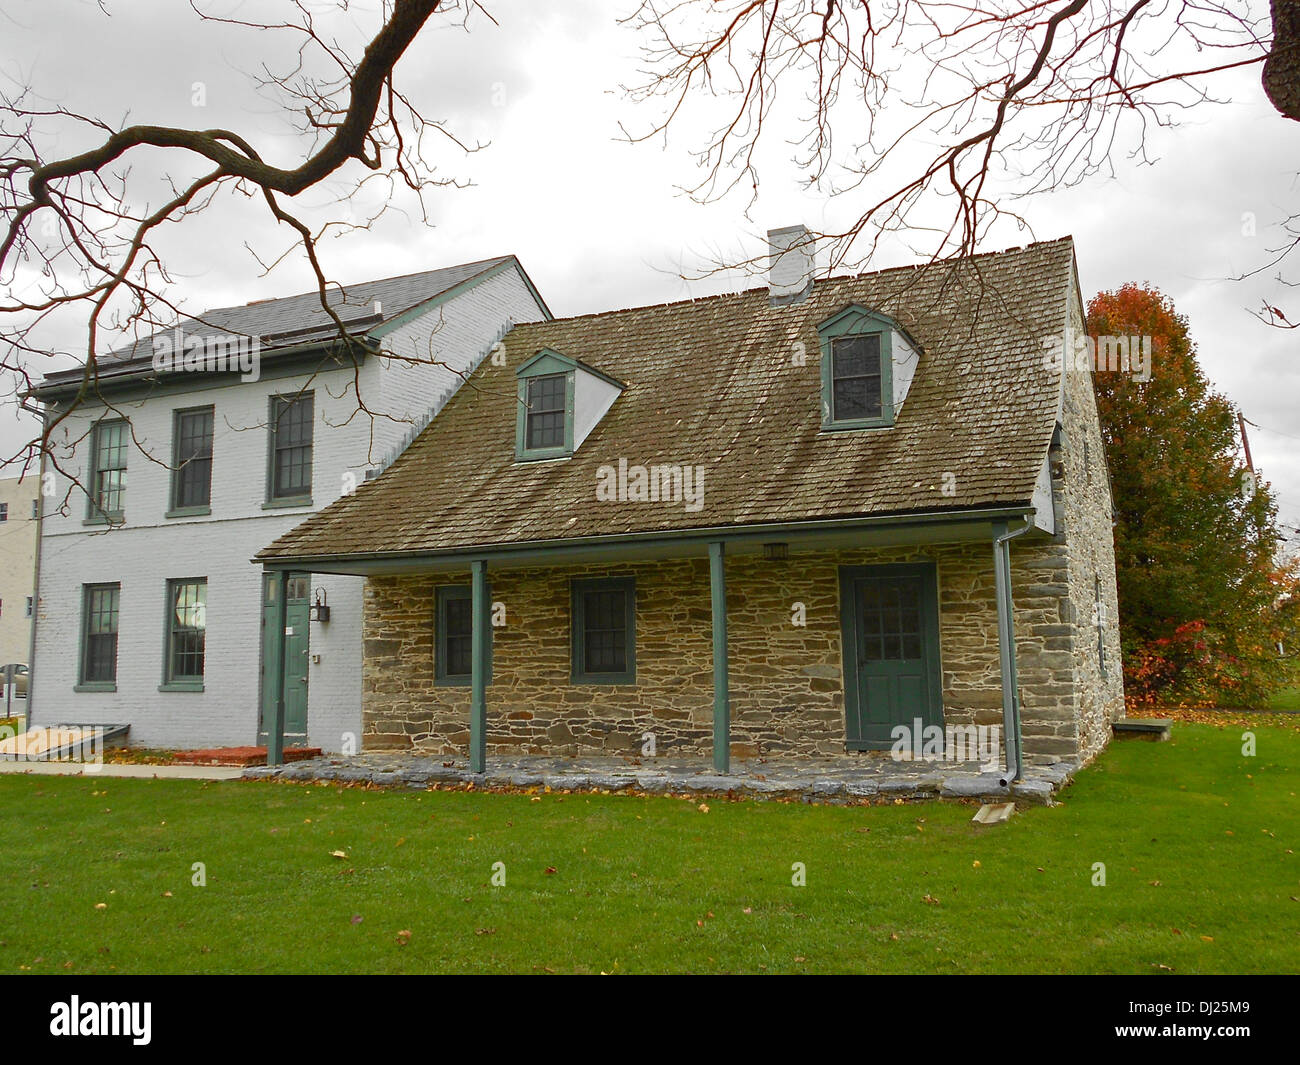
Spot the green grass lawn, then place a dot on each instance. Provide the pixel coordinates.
(1197, 842)
(1287, 699)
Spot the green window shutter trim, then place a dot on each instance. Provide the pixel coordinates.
(577, 629)
(856, 320)
(544, 364)
(96, 515)
(442, 596)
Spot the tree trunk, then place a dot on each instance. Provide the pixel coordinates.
(1282, 68)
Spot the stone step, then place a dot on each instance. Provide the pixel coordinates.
(1143, 728)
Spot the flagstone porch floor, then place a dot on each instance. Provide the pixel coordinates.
(845, 779)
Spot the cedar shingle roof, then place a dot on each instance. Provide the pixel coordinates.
(712, 383)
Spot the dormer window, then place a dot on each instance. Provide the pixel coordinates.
(560, 402)
(867, 365)
(856, 378)
(545, 414)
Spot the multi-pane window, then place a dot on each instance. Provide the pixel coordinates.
(31, 606)
(455, 635)
(192, 459)
(856, 377)
(99, 644)
(604, 618)
(4, 511)
(545, 418)
(186, 629)
(459, 639)
(891, 619)
(291, 436)
(108, 467)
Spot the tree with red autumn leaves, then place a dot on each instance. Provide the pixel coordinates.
(1196, 538)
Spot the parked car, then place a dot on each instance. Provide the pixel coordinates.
(20, 674)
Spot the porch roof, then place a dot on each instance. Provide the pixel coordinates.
(718, 384)
(899, 530)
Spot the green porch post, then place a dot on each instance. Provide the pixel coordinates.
(275, 670)
(479, 645)
(1007, 646)
(721, 694)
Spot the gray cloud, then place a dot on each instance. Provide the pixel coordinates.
(600, 223)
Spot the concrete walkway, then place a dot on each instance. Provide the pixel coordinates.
(842, 779)
(108, 769)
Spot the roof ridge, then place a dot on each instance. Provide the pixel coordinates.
(338, 284)
(1068, 239)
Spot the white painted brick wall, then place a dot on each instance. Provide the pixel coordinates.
(455, 336)
(149, 549)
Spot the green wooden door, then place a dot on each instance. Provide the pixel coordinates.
(296, 651)
(891, 652)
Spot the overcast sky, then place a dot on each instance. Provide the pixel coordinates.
(599, 223)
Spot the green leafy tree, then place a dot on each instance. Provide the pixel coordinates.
(1196, 536)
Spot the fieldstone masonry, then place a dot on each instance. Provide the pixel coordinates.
(786, 679)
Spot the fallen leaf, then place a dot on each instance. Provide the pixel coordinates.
(167, 894)
(975, 864)
(1207, 939)
(101, 905)
(357, 918)
(403, 937)
(339, 854)
(930, 899)
(703, 808)
(550, 870)
(748, 909)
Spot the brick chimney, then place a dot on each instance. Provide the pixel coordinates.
(792, 265)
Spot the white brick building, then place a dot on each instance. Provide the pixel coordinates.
(149, 611)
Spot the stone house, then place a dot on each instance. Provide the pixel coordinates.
(799, 520)
(187, 455)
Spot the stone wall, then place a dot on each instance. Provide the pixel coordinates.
(786, 679)
(1081, 487)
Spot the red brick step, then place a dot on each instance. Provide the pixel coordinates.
(242, 755)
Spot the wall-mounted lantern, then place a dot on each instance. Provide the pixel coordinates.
(319, 610)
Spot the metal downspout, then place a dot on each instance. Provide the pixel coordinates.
(1007, 646)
